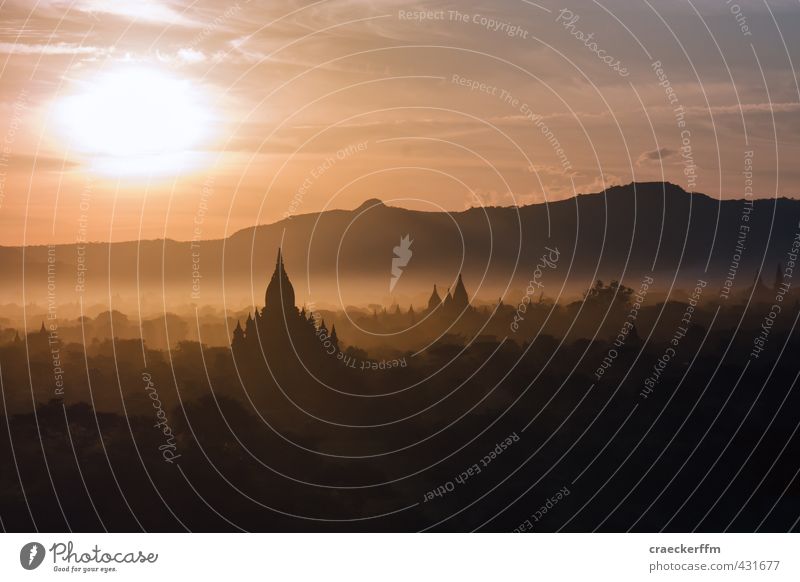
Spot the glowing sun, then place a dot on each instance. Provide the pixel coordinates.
(135, 121)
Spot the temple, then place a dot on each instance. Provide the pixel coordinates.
(453, 305)
(280, 327)
(282, 330)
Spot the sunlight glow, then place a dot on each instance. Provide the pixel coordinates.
(135, 122)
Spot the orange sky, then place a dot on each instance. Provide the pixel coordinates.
(267, 109)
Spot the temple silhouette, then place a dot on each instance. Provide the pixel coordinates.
(453, 304)
(282, 332)
(280, 327)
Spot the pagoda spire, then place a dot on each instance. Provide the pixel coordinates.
(460, 296)
(238, 335)
(280, 292)
(434, 300)
(778, 277)
(334, 337)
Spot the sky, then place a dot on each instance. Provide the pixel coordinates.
(125, 120)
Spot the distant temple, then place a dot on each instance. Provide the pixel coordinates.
(441, 313)
(281, 329)
(759, 292)
(453, 304)
(280, 326)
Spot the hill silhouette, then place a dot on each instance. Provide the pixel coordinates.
(345, 255)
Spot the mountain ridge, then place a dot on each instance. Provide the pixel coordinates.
(622, 233)
(610, 191)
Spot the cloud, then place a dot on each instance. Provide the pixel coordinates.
(654, 155)
(776, 107)
(59, 48)
(184, 56)
(190, 55)
(152, 11)
(26, 163)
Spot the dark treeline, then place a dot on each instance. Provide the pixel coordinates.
(677, 416)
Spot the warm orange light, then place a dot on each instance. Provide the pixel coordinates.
(136, 121)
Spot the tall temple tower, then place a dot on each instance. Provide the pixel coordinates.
(279, 297)
(280, 326)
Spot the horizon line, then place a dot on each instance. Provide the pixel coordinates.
(289, 216)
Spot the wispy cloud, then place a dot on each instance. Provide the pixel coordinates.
(748, 108)
(184, 56)
(152, 11)
(59, 48)
(655, 155)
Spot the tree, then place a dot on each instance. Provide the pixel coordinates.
(602, 295)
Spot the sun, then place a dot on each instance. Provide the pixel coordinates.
(136, 121)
